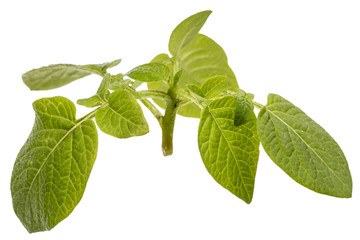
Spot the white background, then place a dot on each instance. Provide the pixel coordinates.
(306, 51)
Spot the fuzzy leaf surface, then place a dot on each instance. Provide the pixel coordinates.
(230, 153)
(303, 149)
(52, 168)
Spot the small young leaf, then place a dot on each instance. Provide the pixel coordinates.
(303, 149)
(120, 85)
(214, 86)
(230, 153)
(52, 168)
(103, 90)
(195, 89)
(150, 72)
(93, 101)
(243, 110)
(186, 31)
(100, 96)
(122, 117)
(161, 85)
(164, 59)
(58, 75)
(177, 76)
(107, 65)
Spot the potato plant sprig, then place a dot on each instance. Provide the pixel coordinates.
(53, 166)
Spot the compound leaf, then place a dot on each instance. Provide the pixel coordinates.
(230, 153)
(52, 168)
(122, 117)
(303, 149)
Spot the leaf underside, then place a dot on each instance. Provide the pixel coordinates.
(230, 153)
(52, 168)
(303, 149)
(58, 75)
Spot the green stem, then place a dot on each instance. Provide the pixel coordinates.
(184, 94)
(154, 94)
(258, 105)
(157, 114)
(168, 127)
(91, 114)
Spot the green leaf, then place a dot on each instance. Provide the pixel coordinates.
(150, 72)
(303, 149)
(93, 101)
(120, 85)
(103, 90)
(164, 59)
(230, 153)
(52, 168)
(122, 117)
(200, 60)
(186, 31)
(161, 85)
(177, 76)
(107, 65)
(243, 110)
(101, 95)
(195, 89)
(58, 75)
(214, 86)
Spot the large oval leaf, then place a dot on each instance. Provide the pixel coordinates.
(230, 153)
(303, 149)
(53, 166)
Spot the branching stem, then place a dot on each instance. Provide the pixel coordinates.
(141, 95)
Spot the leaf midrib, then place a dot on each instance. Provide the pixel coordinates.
(232, 153)
(54, 148)
(181, 45)
(307, 145)
(64, 67)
